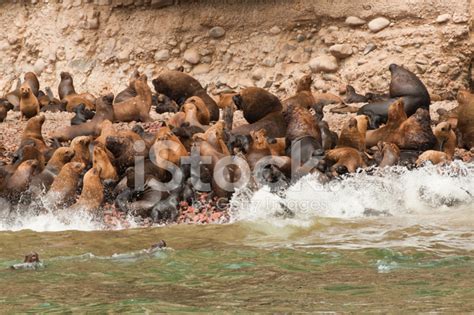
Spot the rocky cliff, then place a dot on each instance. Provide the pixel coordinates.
(231, 44)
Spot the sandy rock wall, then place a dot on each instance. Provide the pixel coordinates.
(232, 44)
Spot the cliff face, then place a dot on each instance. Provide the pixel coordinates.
(231, 44)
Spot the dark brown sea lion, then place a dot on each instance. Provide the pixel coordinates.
(32, 80)
(389, 154)
(256, 103)
(82, 115)
(29, 105)
(185, 134)
(353, 97)
(92, 194)
(138, 107)
(104, 111)
(273, 123)
(466, 118)
(404, 84)
(179, 86)
(413, 133)
(19, 182)
(166, 105)
(66, 88)
(3, 112)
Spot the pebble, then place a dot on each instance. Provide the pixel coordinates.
(258, 74)
(275, 30)
(216, 32)
(443, 68)
(300, 38)
(370, 47)
(201, 69)
(162, 55)
(443, 18)
(354, 21)
(341, 51)
(324, 63)
(192, 56)
(378, 24)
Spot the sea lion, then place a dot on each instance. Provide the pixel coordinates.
(466, 118)
(29, 105)
(225, 100)
(274, 123)
(258, 148)
(347, 157)
(215, 136)
(191, 117)
(148, 137)
(3, 112)
(161, 148)
(351, 136)
(13, 97)
(303, 96)
(166, 105)
(413, 133)
(435, 157)
(101, 161)
(106, 129)
(72, 101)
(179, 86)
(32, 80)
(104, 111)
(92, 194)
(129, 92)
(29, 151)
(256, 103)
(203, 113)
(138, 107)
(19, 182)
(54, 105)
(33, 133)
(445, 138)
(450, 116)
(63, 189)
(42, 182)
(66, 88)
(329, 138)
(404, 84)
(80, 146)
(389, 154)
(185, 134)
(82, 115)
(353, 97)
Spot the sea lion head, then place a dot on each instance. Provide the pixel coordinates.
(259, 137)
(25, 90)
(65, 75)
(304, 83)
(464, 97)
(76, 167)
(238, 101)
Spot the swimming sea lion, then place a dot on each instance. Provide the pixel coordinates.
(256, 103)
(179, 86)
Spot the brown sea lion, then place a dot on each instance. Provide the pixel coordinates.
(13, 97)
(413, 133)
(300, 123)
(80, 146)
(203, 114)
(191, 114)
(42, 182)
(101, 161)
(63, 189)
(350, 136)
(104, 111)
(32, 80)
(129, 92)
(390, 154)
(92, 194)
(138, 107)
(466, 118)
(303, 96)
(19, 182)
(29, 105)
(258, 148)
(404, 84)
(72, 101)
(179, 86)
(445, 138)
(256, 103)
(347, 157)
(106, 129)
(161, 148)
(450, 116)
(435, 157)
(29, 151)
(33, 133)
(225, 100)
(66, 88)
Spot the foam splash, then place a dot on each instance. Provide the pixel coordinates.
(393, 191)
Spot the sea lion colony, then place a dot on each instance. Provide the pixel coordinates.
(89, 163)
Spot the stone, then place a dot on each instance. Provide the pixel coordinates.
(201, 69)
(216, 32)
(258, 74)
(378, 24)
(162, 55)
(192, 56)
(300, 38)
(443, 68)
(324, 63)
(354, 21)
(268, 62)
(161, 3)
(341, 51)
(39, 66)
(275, 30)
(443, 18)
(370, 47)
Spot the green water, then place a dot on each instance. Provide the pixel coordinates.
(244, 267)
